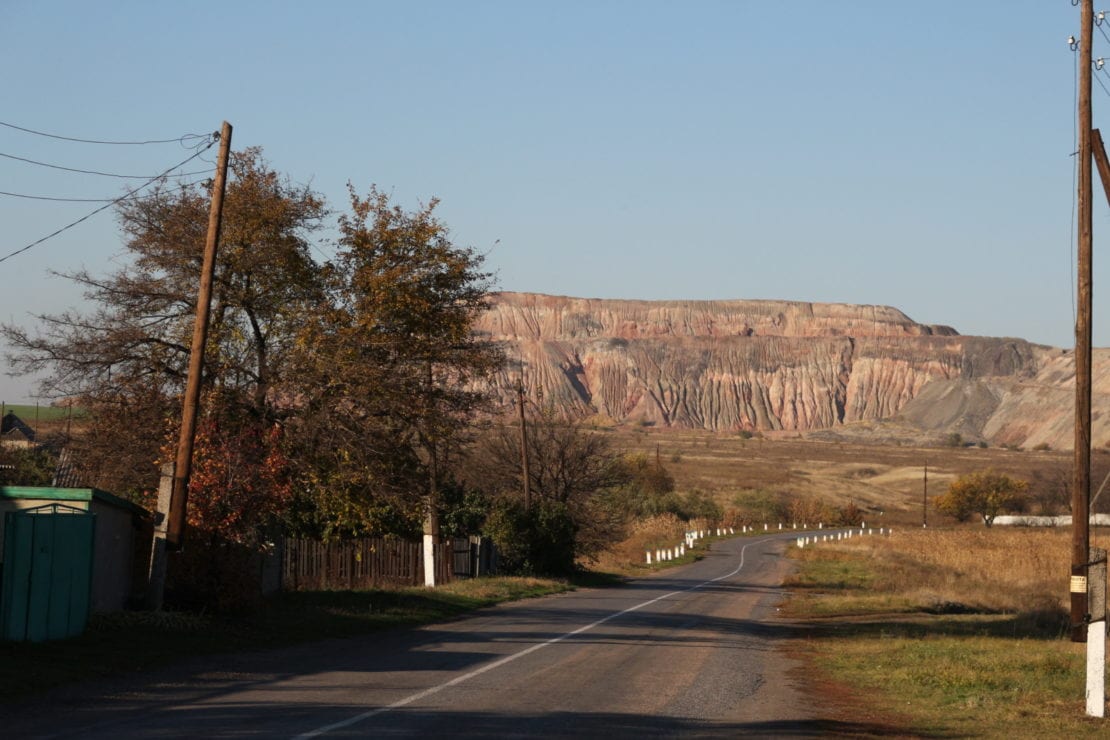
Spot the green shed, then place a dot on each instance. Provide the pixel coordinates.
(47, 573)
(117, 544)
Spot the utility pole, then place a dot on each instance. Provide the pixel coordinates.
(431, 515)
(925, 498)
(175, 531)
(1081, 481)
(526, 474)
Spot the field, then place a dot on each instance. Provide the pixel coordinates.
(43, 418)
(953, 633)
(886, 481)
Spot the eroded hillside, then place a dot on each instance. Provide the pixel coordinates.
(780, 366)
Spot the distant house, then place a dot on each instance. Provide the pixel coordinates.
(14, 432)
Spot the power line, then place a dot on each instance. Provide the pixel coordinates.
(179, 140)
(1073, 213)
(55, 199)
(88, 172)
(1098, 24)
(1101, 83)
(109, 205)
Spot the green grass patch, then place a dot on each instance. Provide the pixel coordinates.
(966, 685)
(839, 584)
(945, 670)
(834, 571)
(129, 641)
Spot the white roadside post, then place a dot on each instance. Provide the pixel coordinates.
(1096, 633)
(429, 560)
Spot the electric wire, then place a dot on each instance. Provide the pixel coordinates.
(1103, 32)
(84, 172)
(179, 140)
(1101, 84)
(58, 199)
(106, 206)
(1073, 216)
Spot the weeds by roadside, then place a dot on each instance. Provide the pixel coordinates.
(959, 632)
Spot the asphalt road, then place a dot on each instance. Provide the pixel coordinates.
(689, 652)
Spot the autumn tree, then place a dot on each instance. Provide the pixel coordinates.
(573, 477)
(126, 357)
(986, 493)
(389, 371)
(363, 371)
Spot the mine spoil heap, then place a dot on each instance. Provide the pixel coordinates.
(775, 366)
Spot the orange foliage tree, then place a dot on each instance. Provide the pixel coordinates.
(240, 484)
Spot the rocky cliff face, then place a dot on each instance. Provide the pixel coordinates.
(775, 365)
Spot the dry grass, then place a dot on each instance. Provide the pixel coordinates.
(627, 557)
(983, 570)
(961, 630)
(877, 478)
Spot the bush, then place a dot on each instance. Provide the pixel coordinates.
(850, 515)
(700, 505)
(759, 505)
(540, 540)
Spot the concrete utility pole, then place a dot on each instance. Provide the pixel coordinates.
(175, 531)
(431, 515)
(1081, 482)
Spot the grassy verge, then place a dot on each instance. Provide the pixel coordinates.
(130, 641)
(949, 634)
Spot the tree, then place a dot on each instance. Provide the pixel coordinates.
(126, 358)
(27, 466)
(240, 486)
(389, 372)
(986, 493)
(572, 472)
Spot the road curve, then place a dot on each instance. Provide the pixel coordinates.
(689, 651)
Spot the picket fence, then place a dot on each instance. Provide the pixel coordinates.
(309, 565)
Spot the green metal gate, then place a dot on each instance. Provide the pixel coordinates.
(47, 576)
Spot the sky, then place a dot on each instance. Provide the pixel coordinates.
(916, 155)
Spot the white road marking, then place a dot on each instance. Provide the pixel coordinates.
(510, 658)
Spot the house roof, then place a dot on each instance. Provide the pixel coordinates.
(12, 426)
(66, 472)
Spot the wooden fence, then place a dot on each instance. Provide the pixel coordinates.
(308, 565)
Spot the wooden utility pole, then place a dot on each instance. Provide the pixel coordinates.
(526, 474)
(175, 531)
(1081, 482)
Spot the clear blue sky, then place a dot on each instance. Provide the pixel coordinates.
(868, 151)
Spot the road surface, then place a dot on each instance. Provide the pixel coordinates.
(688, 652)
